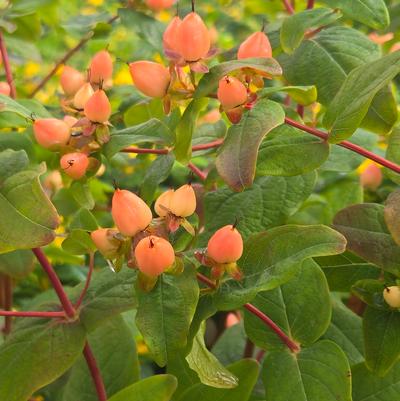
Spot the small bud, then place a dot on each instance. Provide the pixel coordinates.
(130, 213)
(193, 38)
(154, 255)
(226, 245)
(256, 45)
(150, 78)
(391, 296)
(71, 80)
(158, 5)
(51, 133)
(183, 201)
(231, 92)
(74, 164)
(163, 203)
(98, 107)
(101, 67)
(170, 35)
(106, 243)
(5, 88)
(82, 96)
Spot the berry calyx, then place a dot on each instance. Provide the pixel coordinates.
(5, 88)
(106, 243)
(256, 45)
(150, 78)
(74, 164)
(226, 245)
(71, 121)
(170, 36)
(154, 255)
(231, 92)
(101, 67)
(71, 80)
(163, 203)
(193, 38)
(158, 5)
(98, 108)
(183, 201)
(130, 213)
(51, 133)
(391, 296)
(82, 96)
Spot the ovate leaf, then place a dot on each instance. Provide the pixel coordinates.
(392, 215)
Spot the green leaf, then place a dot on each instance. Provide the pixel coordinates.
(81, 193)
(185, 128)
(157, 172)
(210, 371)
(115, 350)
(164, 314)
(209, 83)
(230, 344)
(304, 298)
(318, 373)
(295, 26)
(286, 151)
(206, 133)
(78, 242)
(109, 294)
(38, 352)
(268, 203)
(17, 264)
(392, 215)
(246, 371)
(84, 220)
(372, 13)
(304, 95)
(153, 131)
(236, 161)
(268, 261)
(367, 235)
(10, 105)
(367, 386)
(27, 217)
(347, 110)
(393, 154)
(371, 292)
(345, 330)
(159, 387)
(381, 338)
(12, 162)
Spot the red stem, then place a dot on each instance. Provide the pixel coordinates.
(310, 4)
(201, 174)
(210, 145)
(7, 68)
(255, 311)
(88, 278)
(346, 144)
(31, 314)
(300, 110)
(260, 355)
(95, 372)
(145, 150)
(8, 301)
(288, 6)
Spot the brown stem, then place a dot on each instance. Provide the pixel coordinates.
(288, 6)
(32, 314)
(95, 372)
(88, 278)
(7, 67)
(65, 58)
(201, 174)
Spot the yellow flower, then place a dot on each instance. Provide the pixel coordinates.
(31, 69)
(123, 77)
(96, 2)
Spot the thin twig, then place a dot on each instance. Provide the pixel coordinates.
(288, 6)
(65, 58)
(88, 278)
(8, 298)
(201, 174)
(7, 66)
(32, 314)
(95, 372)
(145, 151)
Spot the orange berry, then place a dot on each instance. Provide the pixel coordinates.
(183, 201)
(170, 35)
(130, 213)
(158, 5)
(256, 45)
(51, 133)
(5, 88)
(163, 200)
(74, 164)
(193, 38)
(231, 92)
(150, 78)
(98, 107)
(82, 96)
(231, 319)
(101, 67)
(371, 177)
(105, 242)
(226, 245)
(154, 255)
(71, 80)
